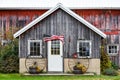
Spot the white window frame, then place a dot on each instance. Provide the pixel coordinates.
(112, 54)
(29, 41)
(84, 41)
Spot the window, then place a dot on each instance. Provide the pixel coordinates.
(55, 47)
(84, 48)
(35, 48)
(112, 49)
(5, 42)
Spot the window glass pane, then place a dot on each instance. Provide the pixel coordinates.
(115, 50)
(31, 49)
(31, 44)
(112, 50)
(35, 48)
(87, 51)
(38, 51)
(34, 44)
(109, 51)
(31, 53)
(84, 48)
(109, 47)
(112, 47)
(37, 44)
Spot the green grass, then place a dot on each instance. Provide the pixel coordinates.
(77, 77)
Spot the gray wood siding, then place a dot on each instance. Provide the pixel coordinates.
(61, 23)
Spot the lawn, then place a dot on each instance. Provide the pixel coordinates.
(77, 77)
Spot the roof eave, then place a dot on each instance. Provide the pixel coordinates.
(42, 8)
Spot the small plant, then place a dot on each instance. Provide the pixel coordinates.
(110, 72)
(105, 60)
(115, 66)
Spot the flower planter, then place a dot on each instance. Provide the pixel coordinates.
(33, 70)
(77, 72)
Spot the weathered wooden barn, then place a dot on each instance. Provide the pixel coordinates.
(104, 19)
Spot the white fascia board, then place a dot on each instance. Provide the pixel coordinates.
(59, 5)
(46, 8)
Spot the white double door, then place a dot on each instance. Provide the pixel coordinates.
(55, 56)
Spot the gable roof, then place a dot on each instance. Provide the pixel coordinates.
(71, 4)
(67, 10)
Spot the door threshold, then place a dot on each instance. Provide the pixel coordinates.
(54, 72)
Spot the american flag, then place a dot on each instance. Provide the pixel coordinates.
(54, 37)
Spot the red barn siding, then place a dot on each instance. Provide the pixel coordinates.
(16, 15)
(102, 19)
(105, 20)
(21, 12)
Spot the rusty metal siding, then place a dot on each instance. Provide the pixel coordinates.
(60, 23)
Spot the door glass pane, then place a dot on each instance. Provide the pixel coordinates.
(55, 47)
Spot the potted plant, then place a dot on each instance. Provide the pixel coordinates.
(79, 68)
(34, 69)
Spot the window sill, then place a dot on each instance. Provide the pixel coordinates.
(84, 57)
(35, 57)
(113, 54)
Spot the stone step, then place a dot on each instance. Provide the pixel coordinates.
(56, 74)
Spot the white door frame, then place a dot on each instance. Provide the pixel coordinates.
(55, 62)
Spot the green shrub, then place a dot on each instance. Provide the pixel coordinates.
(115, 66)
(110, 72)
(9, 61)
(105, 60)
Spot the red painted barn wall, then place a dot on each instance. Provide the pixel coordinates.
(21, 12)
(102, 19)
(106, 20)
(16, 15)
